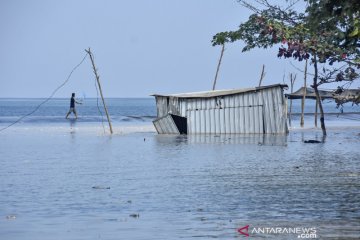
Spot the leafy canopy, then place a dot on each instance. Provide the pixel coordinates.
(327, 29)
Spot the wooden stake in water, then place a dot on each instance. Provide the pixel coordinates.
(292, 81)
(98, 82)
(316, 112)
(303, 98)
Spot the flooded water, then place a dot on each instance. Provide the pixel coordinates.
(76, 185)
(71, 181)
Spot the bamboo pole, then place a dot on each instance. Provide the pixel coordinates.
(316, 112)
(304, 97)
(218, 66)
(262, 75)
(100, 90)
(292, 81)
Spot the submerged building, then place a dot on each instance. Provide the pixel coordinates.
(251, 110)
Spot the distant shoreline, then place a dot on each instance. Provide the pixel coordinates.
(67, 98)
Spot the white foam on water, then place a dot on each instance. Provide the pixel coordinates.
(332, 122)
(92, 129)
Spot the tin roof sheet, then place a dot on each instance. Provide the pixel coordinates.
(217, 93)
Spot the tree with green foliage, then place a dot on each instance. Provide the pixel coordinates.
(327, 32)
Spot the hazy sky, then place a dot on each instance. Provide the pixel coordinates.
(141, 47)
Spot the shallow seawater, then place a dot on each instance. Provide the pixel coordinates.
(75, 182)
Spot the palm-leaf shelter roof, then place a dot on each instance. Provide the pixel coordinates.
(340, 96)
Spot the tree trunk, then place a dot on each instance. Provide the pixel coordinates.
(318, 98)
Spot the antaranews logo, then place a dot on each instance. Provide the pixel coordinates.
(244, 230)
(299, 232)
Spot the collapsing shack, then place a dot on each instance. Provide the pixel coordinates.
(251, 110)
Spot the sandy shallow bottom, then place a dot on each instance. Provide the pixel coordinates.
(77, 182)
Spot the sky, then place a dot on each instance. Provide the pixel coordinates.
(141, 47)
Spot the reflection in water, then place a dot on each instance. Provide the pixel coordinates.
(318, 136)
(171, 139)
(181, 187)
(259, 139)
(72, 122)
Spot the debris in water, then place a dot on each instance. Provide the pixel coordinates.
(11, 217)
(350, 174)
(312, 141)
(111, 220)
(100, 187)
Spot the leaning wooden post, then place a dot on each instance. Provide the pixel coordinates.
(262, 75)
(304, 97)
(292, 81)
(218, 67)
(98, 82)
(316, 112)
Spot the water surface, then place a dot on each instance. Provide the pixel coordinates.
(69, 180)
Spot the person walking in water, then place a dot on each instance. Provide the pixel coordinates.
(72, 106)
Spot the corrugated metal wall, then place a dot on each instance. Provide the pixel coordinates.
(165, 105)
(274, 110)
(240, 113)
(166, 125)
(161, 106)
(263, 111)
